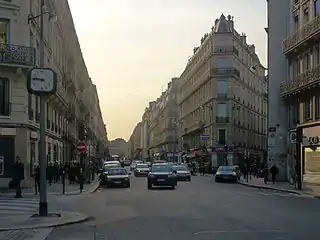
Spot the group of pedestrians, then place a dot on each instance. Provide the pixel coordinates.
(261, 172)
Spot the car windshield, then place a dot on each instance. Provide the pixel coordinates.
(180, 168)
(117, 171)
(142, 165)
(226, 169)
(161, 168)
(108, 166)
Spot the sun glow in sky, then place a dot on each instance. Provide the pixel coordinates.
(132, 48)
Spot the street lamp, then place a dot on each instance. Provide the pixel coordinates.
(43, 203)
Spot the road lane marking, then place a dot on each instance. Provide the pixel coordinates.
(237, 231)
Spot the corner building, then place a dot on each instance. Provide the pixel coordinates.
(67, 111)
(222, 97)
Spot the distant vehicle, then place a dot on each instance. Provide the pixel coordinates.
(110, 164)
(162, 174)
(183, 174)
(142, 169)
(134, 164)
(116, 177)
(149, 164)
(115, 157)
(127, 162)
(226, 174)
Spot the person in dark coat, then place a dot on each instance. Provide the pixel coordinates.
(274, 171)
(18, 175)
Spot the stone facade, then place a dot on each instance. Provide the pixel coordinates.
(74, 105)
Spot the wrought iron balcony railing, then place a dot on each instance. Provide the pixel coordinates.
(225, 71)
(301, 82)
(15, 54)
(304, 34)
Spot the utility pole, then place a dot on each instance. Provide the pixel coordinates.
(43, 204)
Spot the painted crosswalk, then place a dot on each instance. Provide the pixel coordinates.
(12, 206)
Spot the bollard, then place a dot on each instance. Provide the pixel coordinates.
(63, 182)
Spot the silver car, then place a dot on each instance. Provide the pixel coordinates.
(183, 174)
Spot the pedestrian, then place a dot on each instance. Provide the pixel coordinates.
(274, 171)
(265, 173)
(36, 176)
(18, 175)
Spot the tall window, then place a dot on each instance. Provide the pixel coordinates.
(308, 109)
(316, 7)
(296, 23)
(4, 97)
(222, 63)
(222, 136)
(4, 31)
(222, 110)
(222, 87)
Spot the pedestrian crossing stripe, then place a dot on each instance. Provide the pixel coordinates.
(18, 205)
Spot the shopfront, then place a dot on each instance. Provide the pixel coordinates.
(311, 155)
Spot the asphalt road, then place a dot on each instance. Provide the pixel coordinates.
(199, 210)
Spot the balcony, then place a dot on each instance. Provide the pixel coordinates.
(305, 36)
(18, 55)
(225, 71)
(225, 50)
(222, 119)
(300, 83)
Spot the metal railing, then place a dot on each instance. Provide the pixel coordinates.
(15, 54)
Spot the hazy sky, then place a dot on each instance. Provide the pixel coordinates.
(132, 48)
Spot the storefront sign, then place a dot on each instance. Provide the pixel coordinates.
(314, 140)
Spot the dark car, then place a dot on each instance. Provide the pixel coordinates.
(226, 174)
(183, 174)
(116, 177)
(141, 170)
(162, 174)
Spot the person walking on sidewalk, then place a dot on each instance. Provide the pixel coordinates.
(274, 171)
(265, 174)
(18, 175)
(36, 176)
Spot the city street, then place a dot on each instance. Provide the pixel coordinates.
(201, 209)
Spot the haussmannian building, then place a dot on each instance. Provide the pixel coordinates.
(294, 69)
(73, 108)
(222, 97)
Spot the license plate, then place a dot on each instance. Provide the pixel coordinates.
(117, 182)
(160, 180)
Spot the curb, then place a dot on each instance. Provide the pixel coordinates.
(269, 188)
(94, 188)
(82, 219)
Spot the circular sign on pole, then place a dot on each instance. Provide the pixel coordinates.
(81, 147)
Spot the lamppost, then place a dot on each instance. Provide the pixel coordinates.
(42, 82)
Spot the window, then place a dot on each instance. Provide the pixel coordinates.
(4, 97)
(222, 63)
(296, 23)
(308, 107)
(316, 7)
(4, 31)
(317, 107)
(222, 110)
(222, 136)
(222, 87)
(306, 16)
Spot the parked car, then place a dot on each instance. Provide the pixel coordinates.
(134, 164)
(142, 169)
(162, 174)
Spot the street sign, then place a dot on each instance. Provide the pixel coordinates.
(205, 137)
(81, 147)
(42, 80)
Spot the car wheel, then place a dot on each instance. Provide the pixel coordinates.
(189, 179)
(149, 185)
(173, 187)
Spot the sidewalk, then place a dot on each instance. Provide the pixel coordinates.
(56, 189)
(313, 191)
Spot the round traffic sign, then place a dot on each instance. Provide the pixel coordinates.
(272, 135)
(81, 147)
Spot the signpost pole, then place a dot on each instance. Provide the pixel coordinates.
(43, 204)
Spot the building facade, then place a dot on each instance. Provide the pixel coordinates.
(163, 132)
(298, 69)
(222, 97)
(134, 143)
(70, 113)
(119, 147)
